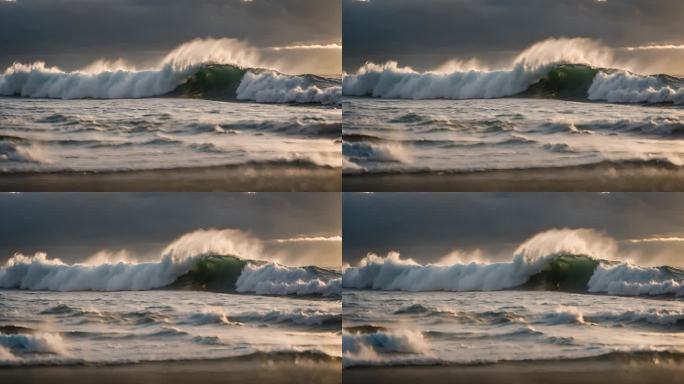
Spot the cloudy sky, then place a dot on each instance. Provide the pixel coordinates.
(73, 33)
(648, 228)
(301, 228)
(426, 33)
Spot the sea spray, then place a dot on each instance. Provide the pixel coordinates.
(558, 259)
(196, 68)
(206, 259)
(568, 68)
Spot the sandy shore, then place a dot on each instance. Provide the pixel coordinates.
(238, 371)
(244, 178)
(572, 372)
(594, 178)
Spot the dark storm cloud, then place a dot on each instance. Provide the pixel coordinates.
(74, 32)
(424, 33)
(430, 225)
(74, 226)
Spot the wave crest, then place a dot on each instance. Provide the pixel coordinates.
(565, 259)
(276, 279)
(566, 68)
(224, 69)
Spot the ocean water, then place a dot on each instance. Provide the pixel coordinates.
(564, 295)
(65, 328)
(190, 303)
(435, 135)
(464, 328)
(55, 135)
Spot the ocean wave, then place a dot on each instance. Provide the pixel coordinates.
(357, 153)
(40, 273)
(308, 126)
(650, 317)
(566, 260)
(574, 69)
(625, 87)
(221, 69)
(196, 261)
(387, 347)
(632, 280)
(21, 348)
(272, 87)
(306, 318)
(276, 279)
(563, 315)
(210, 316)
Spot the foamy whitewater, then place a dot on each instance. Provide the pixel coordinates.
(64, 328)
(560, 103)
(206, 297)
(564, 295)
(402, 328)
(38, 135)
(207, 66)
(207, 103)
(573, 260)
(206, 259)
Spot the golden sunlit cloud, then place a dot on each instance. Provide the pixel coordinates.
(655, 47)
(656, 239)
(305, 46)
(308, 239)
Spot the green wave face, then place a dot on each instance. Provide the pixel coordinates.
(565, 81)
(567, 273)
(212, 81)
(212, 273)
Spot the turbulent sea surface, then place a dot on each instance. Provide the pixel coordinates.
(64, 328)
(556, 299)
(40, 135)
(560, 103)
(409, 136)
(185, 113)
(464, 328)
(183, 306)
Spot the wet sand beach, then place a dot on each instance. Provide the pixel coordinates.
(268, 177)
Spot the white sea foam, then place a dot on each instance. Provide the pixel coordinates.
(117, 79)
(458, 79)
(389, 80)
(632, 280)
(272, 87)
(625, 87)
(617, 278)
(385, 348)
(276, 279)
(27, 344)
(394, 273)
(38, 272)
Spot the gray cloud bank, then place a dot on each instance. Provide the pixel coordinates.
(424, 34)
(428, 226)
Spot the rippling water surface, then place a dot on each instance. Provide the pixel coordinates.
(40, 135)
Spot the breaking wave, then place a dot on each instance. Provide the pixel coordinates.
(276, 279)
(385, 347)
(572, 69)
(216, 69)
(565, 260)
(17, 348)
(209, 260)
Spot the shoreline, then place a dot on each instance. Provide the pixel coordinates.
(628, 371)
(227, 178)
(274, 368)
(607, 176)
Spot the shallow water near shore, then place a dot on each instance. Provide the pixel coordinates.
(472, 328)
(41, 135)
(394, 136)
(104, 328)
